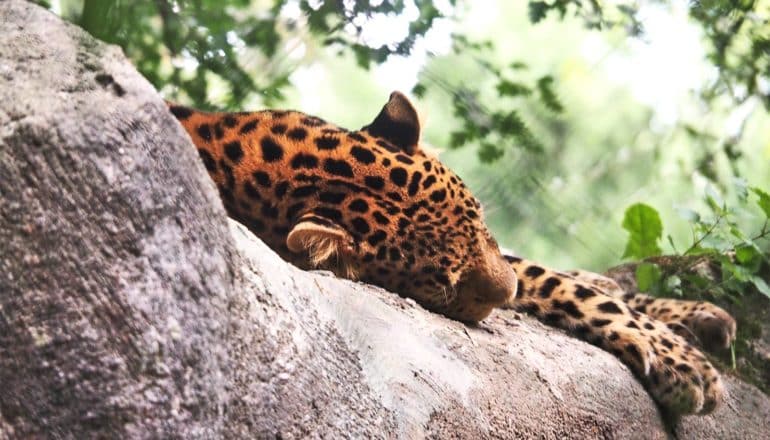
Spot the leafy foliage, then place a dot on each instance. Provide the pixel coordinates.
(645, 228)
(195, 48)
(737, 33)
(718, 240)
(205, 40)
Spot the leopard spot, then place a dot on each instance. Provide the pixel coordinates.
(249, 126)
(428, 182)
(330, 213)
(312, 121)
(360, 225)
(304, 160)
(204, 131)
(569, 307)
(388, 146)
(230, 121)
(358, 205)
(357, 137)
(304, 191)
(548, 286)
(262, 178)
(297, 134)
(398, 176)
(271, 151)
(327, 143)
(414, 183)
(438, 196)
(404, 159)
(233, 151)
(181, 112)
(534, 271)
(378, 236)
(219, 133)
(281, 188)
(584, 293)
(362, 155)
(609, 307)
(251, 191)
(374, 182)
(338, 167)
(380, 218)
(395, 196)
(332, 197)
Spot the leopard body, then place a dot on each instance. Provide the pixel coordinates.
(370, 204)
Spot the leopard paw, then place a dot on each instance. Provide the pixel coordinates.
(675, 373)
(684, 381)
(714, 327)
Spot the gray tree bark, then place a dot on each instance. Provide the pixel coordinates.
(131, 307)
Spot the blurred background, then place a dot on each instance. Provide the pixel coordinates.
(559, 114)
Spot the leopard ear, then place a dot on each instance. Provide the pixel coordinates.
(325, 245)
(397, 123)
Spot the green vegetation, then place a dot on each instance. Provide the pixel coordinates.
(718, 239)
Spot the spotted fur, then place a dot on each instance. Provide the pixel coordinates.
(673, 370)
(366, 204)
(370, 204)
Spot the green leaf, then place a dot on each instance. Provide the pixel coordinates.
(419, 90)
(645, 229)
(747, 254)
(548, 96)
(648, 276)
(489, 152)
(714, 200)
(510, 88)
(764, 200)
(537, 11)
(761, 285)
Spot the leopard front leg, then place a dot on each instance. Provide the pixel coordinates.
(675, 373)
(700, 322)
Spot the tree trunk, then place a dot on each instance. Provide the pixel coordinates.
(131, 307)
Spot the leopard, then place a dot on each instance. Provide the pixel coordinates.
(374, 205)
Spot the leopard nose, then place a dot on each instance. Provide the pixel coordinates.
(483, 288)
(495, 282)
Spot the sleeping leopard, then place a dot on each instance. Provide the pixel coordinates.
(372, 205)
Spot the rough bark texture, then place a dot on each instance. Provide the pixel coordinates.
(129, 307)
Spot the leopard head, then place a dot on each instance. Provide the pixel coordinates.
(410, 225)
